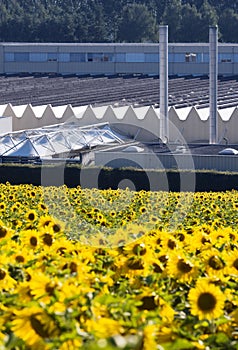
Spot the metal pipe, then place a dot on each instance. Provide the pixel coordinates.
(163, 58)
(213, 72)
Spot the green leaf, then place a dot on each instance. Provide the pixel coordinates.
(179, 344)
(221, 338)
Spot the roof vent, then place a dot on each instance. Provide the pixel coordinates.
(229, 151)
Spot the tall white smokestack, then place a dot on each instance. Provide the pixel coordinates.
(213, 72)
(163, 53)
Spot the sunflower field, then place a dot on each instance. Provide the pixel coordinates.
(117, 269)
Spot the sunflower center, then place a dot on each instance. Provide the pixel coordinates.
(157, 268)
(19, 258)
(148, 303)
(135, 264)
(31, 216)
(47, 239)
(3, 232)
(206, 302)
(33, 241)
(171, 244)
(163, 259)
(2, 274)
(56, 227)
(38, 327)
(49, 288)
(235, 264)
(215, 262)
(46, 223)
(181, 237)
(183, 266)
(73, 267)
(158, 241)
(205, 240)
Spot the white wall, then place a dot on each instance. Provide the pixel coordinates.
(185, 124)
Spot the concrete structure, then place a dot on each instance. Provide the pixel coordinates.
(213, 73)
(163, 47)
(190, 123)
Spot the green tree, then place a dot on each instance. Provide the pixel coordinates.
(228, 24)
(54, 28)
(137, 24)
(90, 22)
(173, 18)
(190, 24)
(208, 18)
(112, 13)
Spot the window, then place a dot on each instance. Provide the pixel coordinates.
(108, 57)
(151, 57)
(135, 57)
(205, 57)
(236, 57)
(64, 57)
(224, 57)
(95, 57)
(21, 56)
(38, 57)
(120, 57)
(9, 56)
(52, 56)
(176, 57)
(77, 57)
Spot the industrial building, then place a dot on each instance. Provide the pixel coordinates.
(181, 110)
(114, 58)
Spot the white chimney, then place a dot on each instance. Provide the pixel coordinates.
(163, 78)
(213, 72)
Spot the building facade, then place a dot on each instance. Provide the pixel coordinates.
(114, 58)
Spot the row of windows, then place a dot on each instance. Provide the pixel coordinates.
(114, 57)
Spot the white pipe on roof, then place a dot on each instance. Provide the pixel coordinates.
(163, 57)
(213, 71)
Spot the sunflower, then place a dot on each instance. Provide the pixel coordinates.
(49, 221)
(231, 259)
(43, 287)
(206, 300)
(30, 238)
(15, 207)
(2, 206)
(5, 232)
(42, 207)
(214, 263)
(21, 255)
(31, 216)
(169, 242)
(45, 221)
(223, 236)
(199, 240)
(142, 209)
(32, 325)
(181, 268)
(6, 281)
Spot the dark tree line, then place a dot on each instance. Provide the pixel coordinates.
(116, 21)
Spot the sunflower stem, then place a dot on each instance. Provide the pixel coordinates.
(212, 326)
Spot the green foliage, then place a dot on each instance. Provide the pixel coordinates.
(137, 24)
(113, 21)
